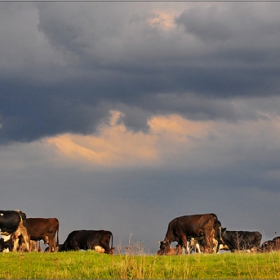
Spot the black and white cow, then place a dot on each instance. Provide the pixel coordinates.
(88, 239)
(6, 243)
(13, 222)
(240, 240)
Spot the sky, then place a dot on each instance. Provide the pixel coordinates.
(124, 115)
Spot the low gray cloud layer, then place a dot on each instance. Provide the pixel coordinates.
(65, 61)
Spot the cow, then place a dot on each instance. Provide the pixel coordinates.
(178, 250)
(32, 246)
(13, 222)
(44, 229)
(271, 245)
(240, 240)
(6, 243)
(198, 245)
(268, 246)
(88, 240)
(184, 227)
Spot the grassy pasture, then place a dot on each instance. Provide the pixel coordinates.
(92, 265)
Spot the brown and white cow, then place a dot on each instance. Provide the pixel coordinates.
(44, 229)
(184, 227)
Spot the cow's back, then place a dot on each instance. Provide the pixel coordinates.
(39, 227)
(193, 225)
(87, 239)
(75, 240)
(10, 220)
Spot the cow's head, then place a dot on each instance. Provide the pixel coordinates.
(221, 234)
(112, 251)
(164, 248)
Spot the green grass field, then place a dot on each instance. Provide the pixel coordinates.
(92, 265)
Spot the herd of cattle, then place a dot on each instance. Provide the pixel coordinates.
(193, 233)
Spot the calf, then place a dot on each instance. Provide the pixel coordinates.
(89, 239)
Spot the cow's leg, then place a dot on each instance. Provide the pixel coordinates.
(197, 248)
(25, 236)
(48, 241)
(215, 245)
(184, 242)
(179, 249)
(52, 245)
(15, 238)
(209, 236)
(52, 242)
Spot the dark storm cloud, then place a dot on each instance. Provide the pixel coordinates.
(93, 59)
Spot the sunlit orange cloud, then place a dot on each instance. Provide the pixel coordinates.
(162, 19)
(115, 145)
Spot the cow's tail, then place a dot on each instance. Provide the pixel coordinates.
(111, 240)
(57, 239)
(22, 217)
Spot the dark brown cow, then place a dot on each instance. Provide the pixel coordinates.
(181, 228)
(43, 229)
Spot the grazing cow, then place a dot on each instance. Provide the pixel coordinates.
(44, 228)
(277, 242)
(181, 228)
(240, 240)
(268, 246)
(178, 250)
(14, 223)
(271, 245)
(88, 239)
